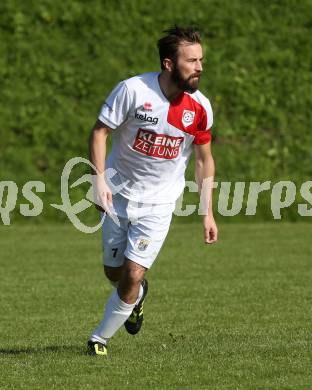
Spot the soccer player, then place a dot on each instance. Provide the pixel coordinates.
(155, 120)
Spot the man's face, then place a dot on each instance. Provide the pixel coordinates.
(188, 67)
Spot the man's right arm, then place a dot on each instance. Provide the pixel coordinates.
(97, 154)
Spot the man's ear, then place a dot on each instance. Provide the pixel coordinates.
(168, 64)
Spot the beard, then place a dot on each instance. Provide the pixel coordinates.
(189, 84)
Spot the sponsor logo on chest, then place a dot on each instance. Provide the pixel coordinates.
(146, 118)
(157, 145)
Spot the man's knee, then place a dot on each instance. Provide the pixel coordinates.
(132, 273)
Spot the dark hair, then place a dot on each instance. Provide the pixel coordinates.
(168, 45)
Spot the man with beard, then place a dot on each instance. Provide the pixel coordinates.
(155, 120)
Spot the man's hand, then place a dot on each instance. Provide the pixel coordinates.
(102, 194)
(210, 230)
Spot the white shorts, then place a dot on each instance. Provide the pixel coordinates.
(141, 234)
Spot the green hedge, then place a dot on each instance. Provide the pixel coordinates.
(60, 59)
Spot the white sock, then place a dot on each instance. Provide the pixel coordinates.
(115, 285)
(115, 315)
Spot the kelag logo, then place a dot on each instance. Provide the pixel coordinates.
(144, 117)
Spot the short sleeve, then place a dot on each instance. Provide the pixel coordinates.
(203, 133)
(116, 107)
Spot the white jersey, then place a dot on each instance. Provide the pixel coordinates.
(153, 138)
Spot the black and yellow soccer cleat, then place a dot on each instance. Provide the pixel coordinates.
(95, 348)
(134, 322)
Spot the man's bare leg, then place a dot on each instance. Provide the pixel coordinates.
(122, 301)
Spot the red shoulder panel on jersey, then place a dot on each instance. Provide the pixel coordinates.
(189, 116)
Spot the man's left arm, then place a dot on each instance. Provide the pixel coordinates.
(204, 174)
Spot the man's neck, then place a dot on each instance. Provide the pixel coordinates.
(168, 88)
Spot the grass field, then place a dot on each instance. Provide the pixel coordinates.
(233, 316)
